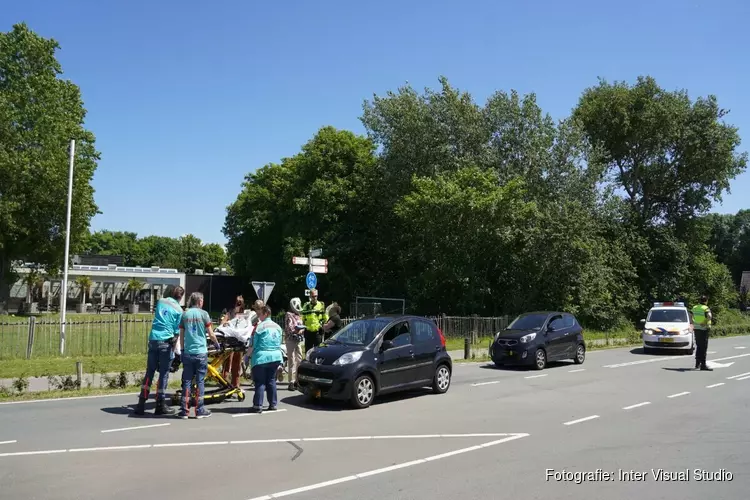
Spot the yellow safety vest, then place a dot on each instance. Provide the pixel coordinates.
(312, 316)
(700, 317)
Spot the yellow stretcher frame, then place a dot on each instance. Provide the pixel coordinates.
(225, 390)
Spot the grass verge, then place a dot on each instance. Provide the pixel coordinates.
(7, 396)
(44, 367)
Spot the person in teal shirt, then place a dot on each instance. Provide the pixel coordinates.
(266, 359)
(162, 341)
(195, 325)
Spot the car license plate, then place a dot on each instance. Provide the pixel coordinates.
(667, 339)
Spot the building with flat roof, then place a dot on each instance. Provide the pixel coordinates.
(110, 288)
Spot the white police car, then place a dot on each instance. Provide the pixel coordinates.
(668, 327)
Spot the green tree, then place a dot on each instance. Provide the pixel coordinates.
(39, 114)
(121, 243)
(673, 157)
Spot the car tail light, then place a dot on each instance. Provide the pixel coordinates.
(442, 337)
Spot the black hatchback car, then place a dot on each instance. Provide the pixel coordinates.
(378, 355)
(536, 338)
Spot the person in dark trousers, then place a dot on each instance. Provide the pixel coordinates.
(162, 341)
(195, 325)
(266, 359)
(702, 323)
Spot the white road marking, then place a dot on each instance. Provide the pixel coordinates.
(176, 445)
(134, 428)
(572, 422)
(740, 347)
(714, 385)
(664, 358)
(110, 448)
(637, 405)
(76, 398)
(714, 364)
(26, 453)
(8, 442)
(738, 376)
(743, 378)
(265, 412)
(679, 394)
(387, 469)
(486, 383)
(504, 435)
(576, 371)
(710, 352)
(537, 376)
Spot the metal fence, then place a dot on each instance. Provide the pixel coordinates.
(35, 337)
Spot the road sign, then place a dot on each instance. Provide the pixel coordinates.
(300, 261)
(317, 252)
(319, 269)
(311, 280)
(263, 289)
(304, 261)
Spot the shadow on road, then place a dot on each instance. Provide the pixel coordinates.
(302, 401)
(639, 351)
(678, 369)
(515, 368)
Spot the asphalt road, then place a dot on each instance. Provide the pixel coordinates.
(496, 433)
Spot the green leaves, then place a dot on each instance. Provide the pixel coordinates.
(672, 156)
(39, 115)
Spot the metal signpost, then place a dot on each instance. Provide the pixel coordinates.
(263, 289)
(314, 266)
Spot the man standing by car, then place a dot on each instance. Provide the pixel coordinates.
(702, 320)
(162, 341)
(313, 316)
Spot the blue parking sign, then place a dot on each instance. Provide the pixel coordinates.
(311, 280)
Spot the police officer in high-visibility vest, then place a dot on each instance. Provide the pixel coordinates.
(313, 316)
(702, 323)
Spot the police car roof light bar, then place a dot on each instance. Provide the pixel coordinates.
(662, 304)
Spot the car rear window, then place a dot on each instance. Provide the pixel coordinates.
(668, 316)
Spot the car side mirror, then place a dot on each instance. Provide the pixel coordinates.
(550, 328)
(643, 321)
(387, 344)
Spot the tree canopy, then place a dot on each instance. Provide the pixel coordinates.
(464, 208)
(185, 254)
(39, 114)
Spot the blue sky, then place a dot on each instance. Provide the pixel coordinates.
(187, 97)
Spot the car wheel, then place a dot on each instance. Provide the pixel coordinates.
(540, 359)
(363, 392)
(580, 355)
(442, 380)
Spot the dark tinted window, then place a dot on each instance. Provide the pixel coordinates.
(398, 334)
(424, 332)
(361, 331)
(557, 323)
(528, 322)
(569, 321)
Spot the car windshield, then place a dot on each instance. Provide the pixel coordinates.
(668, 316)
(528, 322)
(360, 332)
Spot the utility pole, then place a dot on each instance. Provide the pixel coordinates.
(64, 297)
